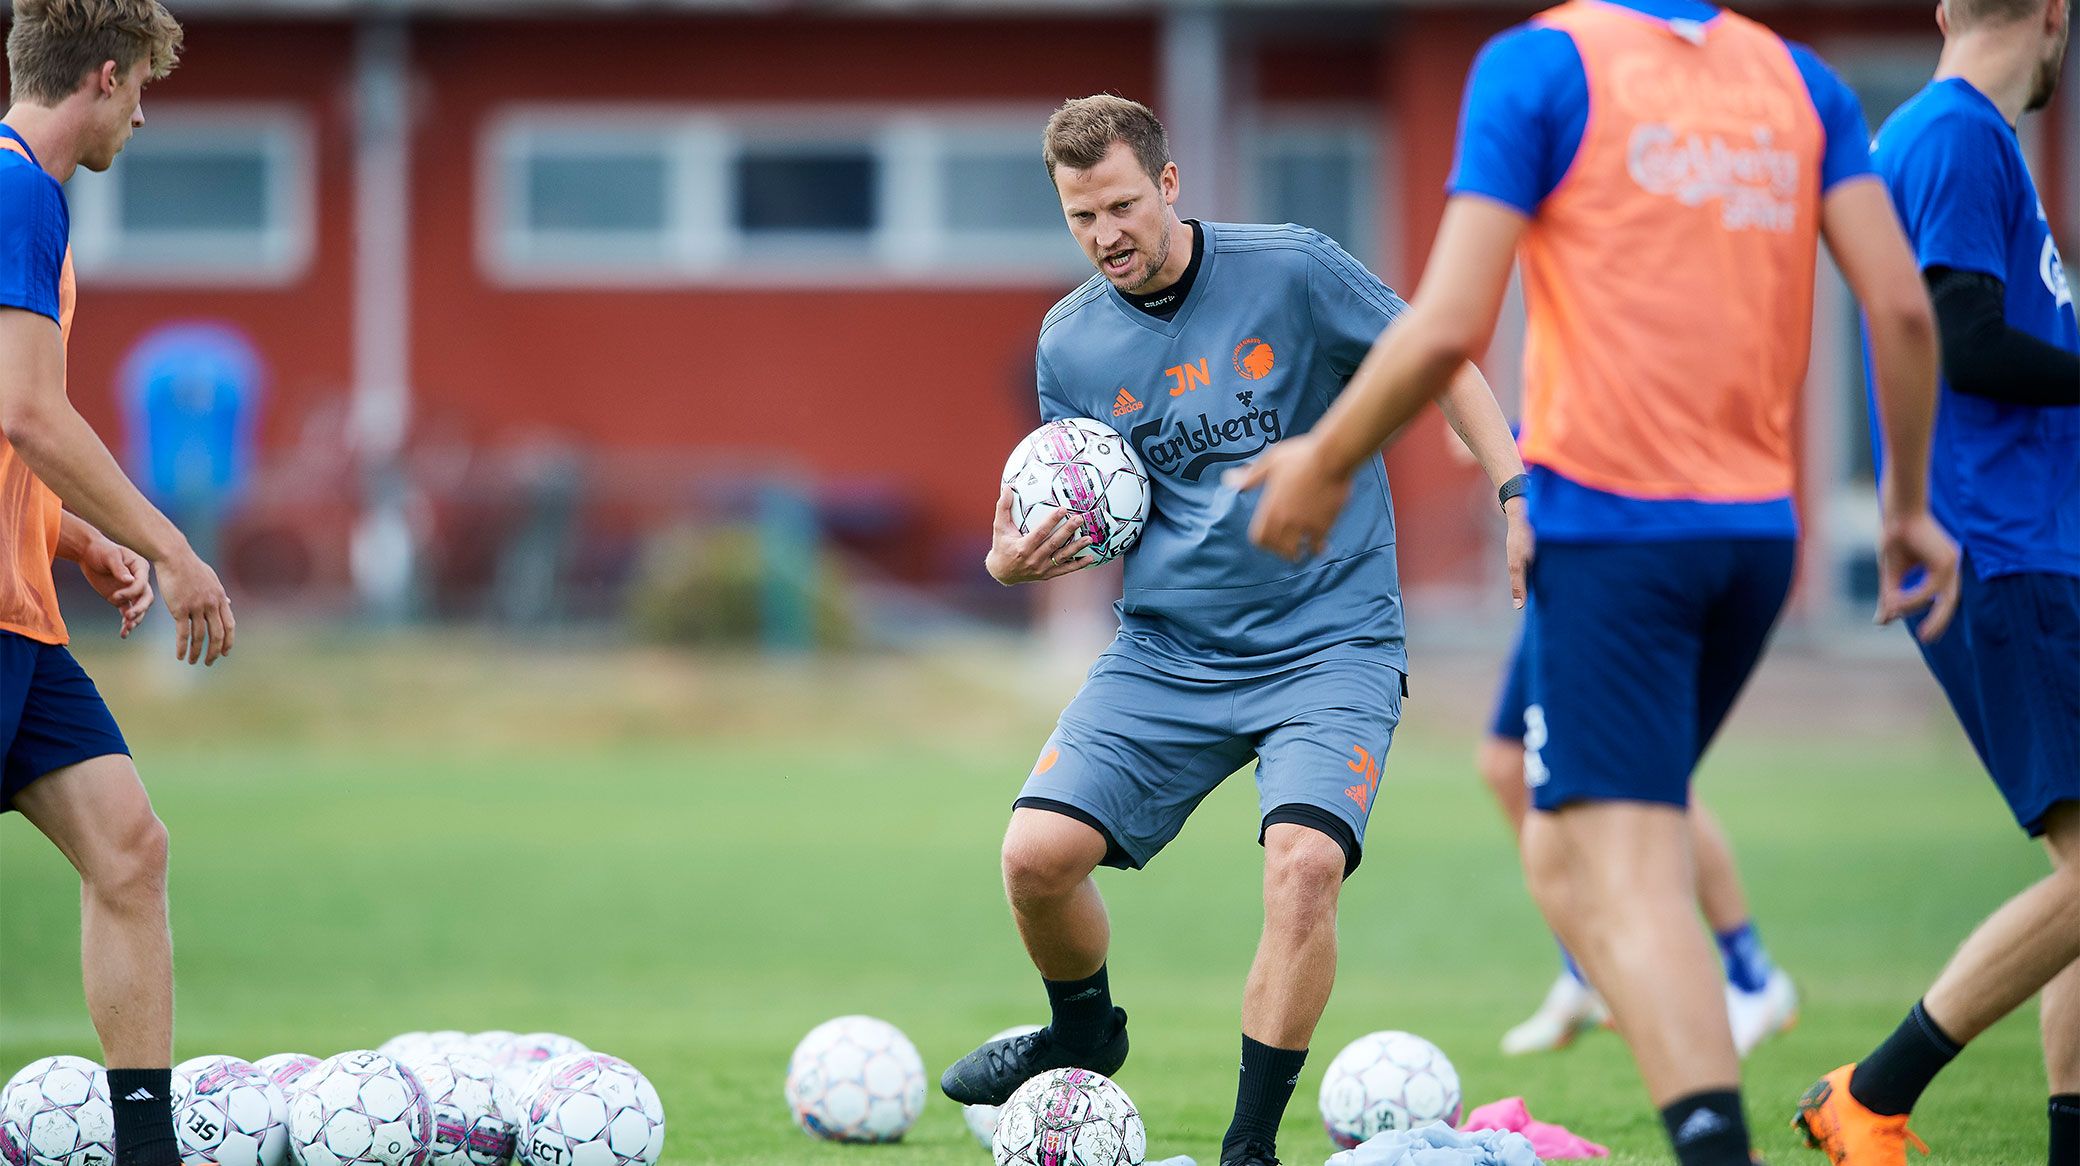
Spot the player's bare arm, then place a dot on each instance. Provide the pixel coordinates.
(117, 573)
(1469, 406)
(65, 452)
(1306, 478)
(1863, 232)
(1053, 549)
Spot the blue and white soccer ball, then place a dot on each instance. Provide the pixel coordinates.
(1086, 467)
(1070, 1117)
(982, 1119)
(56, 1112)
(855, 1079)
(591, 1109)
(360, 1109)
(1388, 1081)
(227, 1113)
(469, 1126)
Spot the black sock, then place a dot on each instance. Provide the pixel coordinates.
(1266, 1085)
(2065, 1129)
(1891, 1079)
(1708, 1129)
(1082, 1010)
(143, 1101)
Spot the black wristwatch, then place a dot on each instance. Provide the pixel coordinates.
(1514, 488)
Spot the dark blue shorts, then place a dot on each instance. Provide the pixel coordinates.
(51, 715)
(1636, 652)
(2010, 664)
(1508, 721)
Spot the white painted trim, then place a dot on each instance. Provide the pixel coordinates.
(700, 247)
(1337, 124)
(275, 256)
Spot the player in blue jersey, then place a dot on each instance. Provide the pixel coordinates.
(1662, 172)
(1205, 343)
(77, 71)
(2005, 479)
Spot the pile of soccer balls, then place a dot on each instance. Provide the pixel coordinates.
(859, 1079)
(422, 1099)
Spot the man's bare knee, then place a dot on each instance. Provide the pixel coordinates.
(1303, 874)
(1048, 855)
(127, 870)
(1501, 765)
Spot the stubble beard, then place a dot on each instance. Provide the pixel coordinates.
(1155, 264)
(2046, 86)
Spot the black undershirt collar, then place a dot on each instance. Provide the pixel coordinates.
(1163, 304)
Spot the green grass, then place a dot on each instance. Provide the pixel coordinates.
(691, 863)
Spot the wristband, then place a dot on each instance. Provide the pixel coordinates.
(1514, 488)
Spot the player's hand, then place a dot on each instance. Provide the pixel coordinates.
(1050, 551)
(202, 625)
(1518, 547)
(121, 576)
(1301, 497)
(1908, 543)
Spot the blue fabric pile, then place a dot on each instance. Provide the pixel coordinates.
(1438, 1144)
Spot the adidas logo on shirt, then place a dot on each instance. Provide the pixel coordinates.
(1124, 403)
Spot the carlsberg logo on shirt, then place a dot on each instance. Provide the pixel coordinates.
(1191, 445)
(1754, 182)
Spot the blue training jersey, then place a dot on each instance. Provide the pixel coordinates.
(34, 227)
(1272, 329)
(1526, 106)
(2004, 479)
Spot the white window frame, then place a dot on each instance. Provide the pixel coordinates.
(277, 254)
(909, 244)
(1358, 126)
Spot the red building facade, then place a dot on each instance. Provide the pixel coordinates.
(812, 238)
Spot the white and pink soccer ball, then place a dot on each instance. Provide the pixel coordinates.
(360, 1109)
(285, 1069)
(591, 1109)
(1070, 1117)
(855, 1079)
(518, 1059)
(226, 1112)
(1388, 1081)
(56, 1112)
(982, 1119)
(469, 1126)
(1086, 467)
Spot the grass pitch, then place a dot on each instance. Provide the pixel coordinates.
(690, 863)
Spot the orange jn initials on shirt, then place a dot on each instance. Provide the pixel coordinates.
(1188, 377)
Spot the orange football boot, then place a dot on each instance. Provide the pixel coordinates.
(1836, 1123)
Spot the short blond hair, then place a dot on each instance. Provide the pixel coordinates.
(1082, 131)
(55, 44)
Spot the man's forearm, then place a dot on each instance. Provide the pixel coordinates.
(1985, 356)
(75, 536)
(1469, 405)
(64, 451)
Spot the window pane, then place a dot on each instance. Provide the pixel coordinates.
(1315, 188)
(623, 193)
(192, 191)
(807, 190)
(998, 192)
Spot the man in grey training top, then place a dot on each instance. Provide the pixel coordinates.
(1204, 343)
